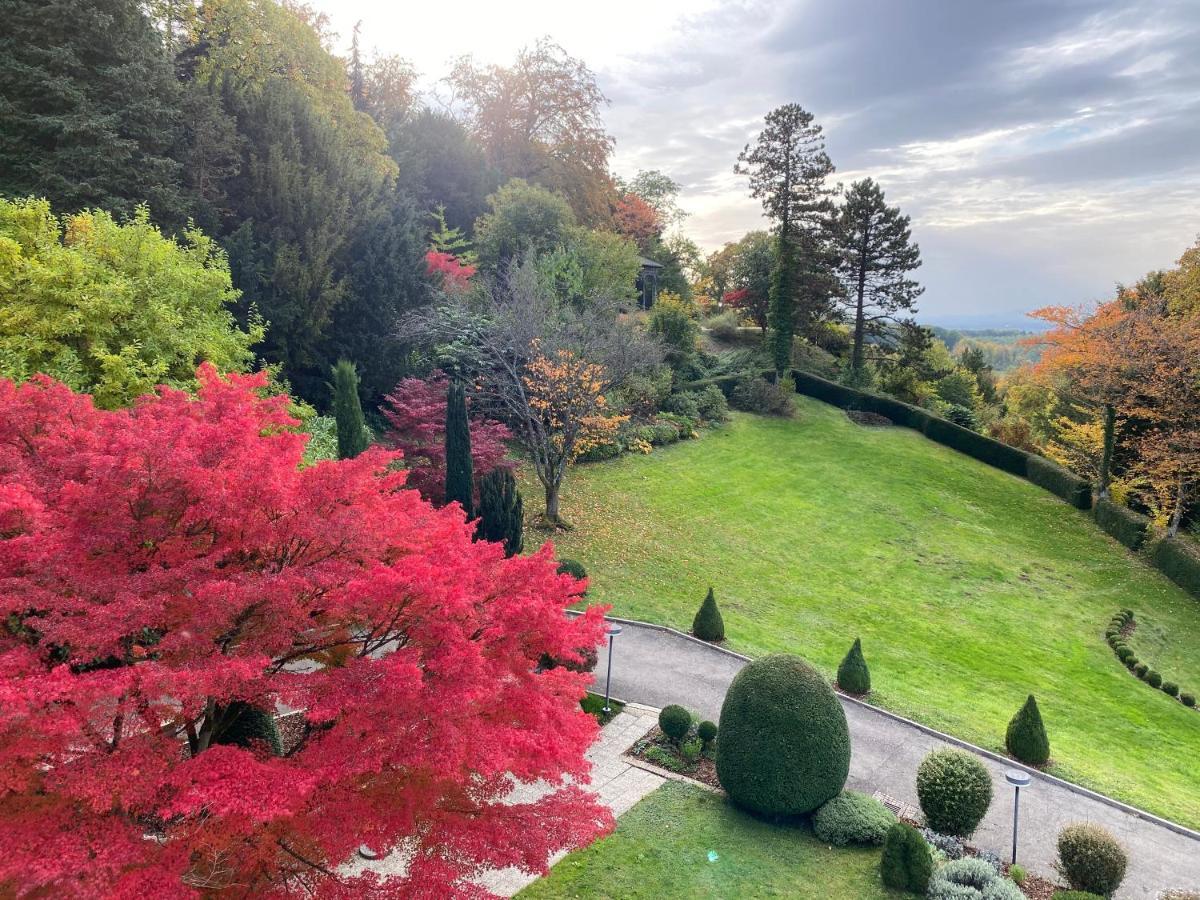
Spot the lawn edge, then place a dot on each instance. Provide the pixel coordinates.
(941, 735)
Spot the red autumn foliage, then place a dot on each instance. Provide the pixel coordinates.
(636, 219)
(416, 412)
(737, 299)
(161, 561)
(455, 276)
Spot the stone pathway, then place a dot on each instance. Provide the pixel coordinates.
(658, 667)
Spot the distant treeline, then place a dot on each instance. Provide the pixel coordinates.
(1001, 347)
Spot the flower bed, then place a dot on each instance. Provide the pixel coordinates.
(659, 750)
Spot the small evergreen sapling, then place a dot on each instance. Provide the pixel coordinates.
(347, 411)
(501, 511)
(905, 863)
(460, 478)
(853, 676)
(1026, 737)
(708, 624)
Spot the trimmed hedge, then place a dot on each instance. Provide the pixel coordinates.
(972, 443)
(1124, 524)
(785, 746)
(1026, 736)
(1050, 475)
(1178, 561)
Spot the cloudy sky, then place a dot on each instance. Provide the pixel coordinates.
(1045, 150)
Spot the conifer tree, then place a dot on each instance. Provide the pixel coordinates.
(708, 624)
(347, 411)
(1026, 737)
(501, 510)
(460, 480)
(853, 675)
(876, 254)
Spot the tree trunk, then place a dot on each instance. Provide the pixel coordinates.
(856, 358)
(1177, 513)
(552, 503)
(1110, 434)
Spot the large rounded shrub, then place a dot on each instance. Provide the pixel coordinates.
(852, 818)
(1091, 859)
(785, 746)
(905, 863)
(955, 791)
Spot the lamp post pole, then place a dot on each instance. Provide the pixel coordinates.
(1018, 780)
(613, 630)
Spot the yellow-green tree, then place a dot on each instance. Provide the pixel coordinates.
(113, 309)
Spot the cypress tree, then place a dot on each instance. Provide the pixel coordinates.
(708, 624)
(347, 411)
(853, 675)
(501, 510)
(460, 481)
(1026, 737)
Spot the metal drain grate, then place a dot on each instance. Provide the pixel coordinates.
(901, 809)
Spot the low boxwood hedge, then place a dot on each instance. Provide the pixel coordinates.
(1178, 561)
(1123, 523)
(1050, 475)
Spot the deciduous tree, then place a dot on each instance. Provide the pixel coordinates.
(162, 564)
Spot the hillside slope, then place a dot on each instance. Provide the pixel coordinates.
(970, 588)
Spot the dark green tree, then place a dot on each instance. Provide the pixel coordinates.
(501, 510)
(708, 624)
(244, 725)
(788, 168)
(90, 108)
(905, 864)
(347, 411)
(875, 256)
(460, 479)
(1026, 736)
(853, 675)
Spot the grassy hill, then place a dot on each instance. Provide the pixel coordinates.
(970, 588)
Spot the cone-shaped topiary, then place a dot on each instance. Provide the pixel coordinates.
(905, 863)
(460, 479)
(853, 676)
(708, 624)
(1026, 736)
(785, 746)
(501, 510)
(249, 727)
(347, 411)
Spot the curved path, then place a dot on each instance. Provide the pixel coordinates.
(657, 666)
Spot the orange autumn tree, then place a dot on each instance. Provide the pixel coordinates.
(566, 396)
(1093, 353)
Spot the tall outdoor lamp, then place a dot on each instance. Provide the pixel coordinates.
(1018, 780)
(613, 630)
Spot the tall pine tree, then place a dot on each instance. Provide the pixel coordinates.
(347, 411)
(876, 255)
(788, 168)
(460, 479)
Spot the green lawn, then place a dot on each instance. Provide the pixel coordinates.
(969, 587)
(661, 846)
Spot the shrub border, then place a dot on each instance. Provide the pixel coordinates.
(1119, 628)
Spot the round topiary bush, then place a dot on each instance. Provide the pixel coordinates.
(675, 721)
(708, 624)
(1091, 859)
(1188, 699)
(1141, 669)
(572, 567)
(970, 877)
(853, 676)
(1153, 679)
(1170, 687)
(1133, 662)
(905, 863)
(1124, 654)
(1026, 737)
(852, 818)
(707, 732)
(785, 745)
(955, 791)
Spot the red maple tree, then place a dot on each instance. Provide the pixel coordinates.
(454, 275)
(636, 219)
(416, 414)
(160, 565)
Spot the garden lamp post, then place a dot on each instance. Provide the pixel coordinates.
(1018, 780)
(613, 630)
